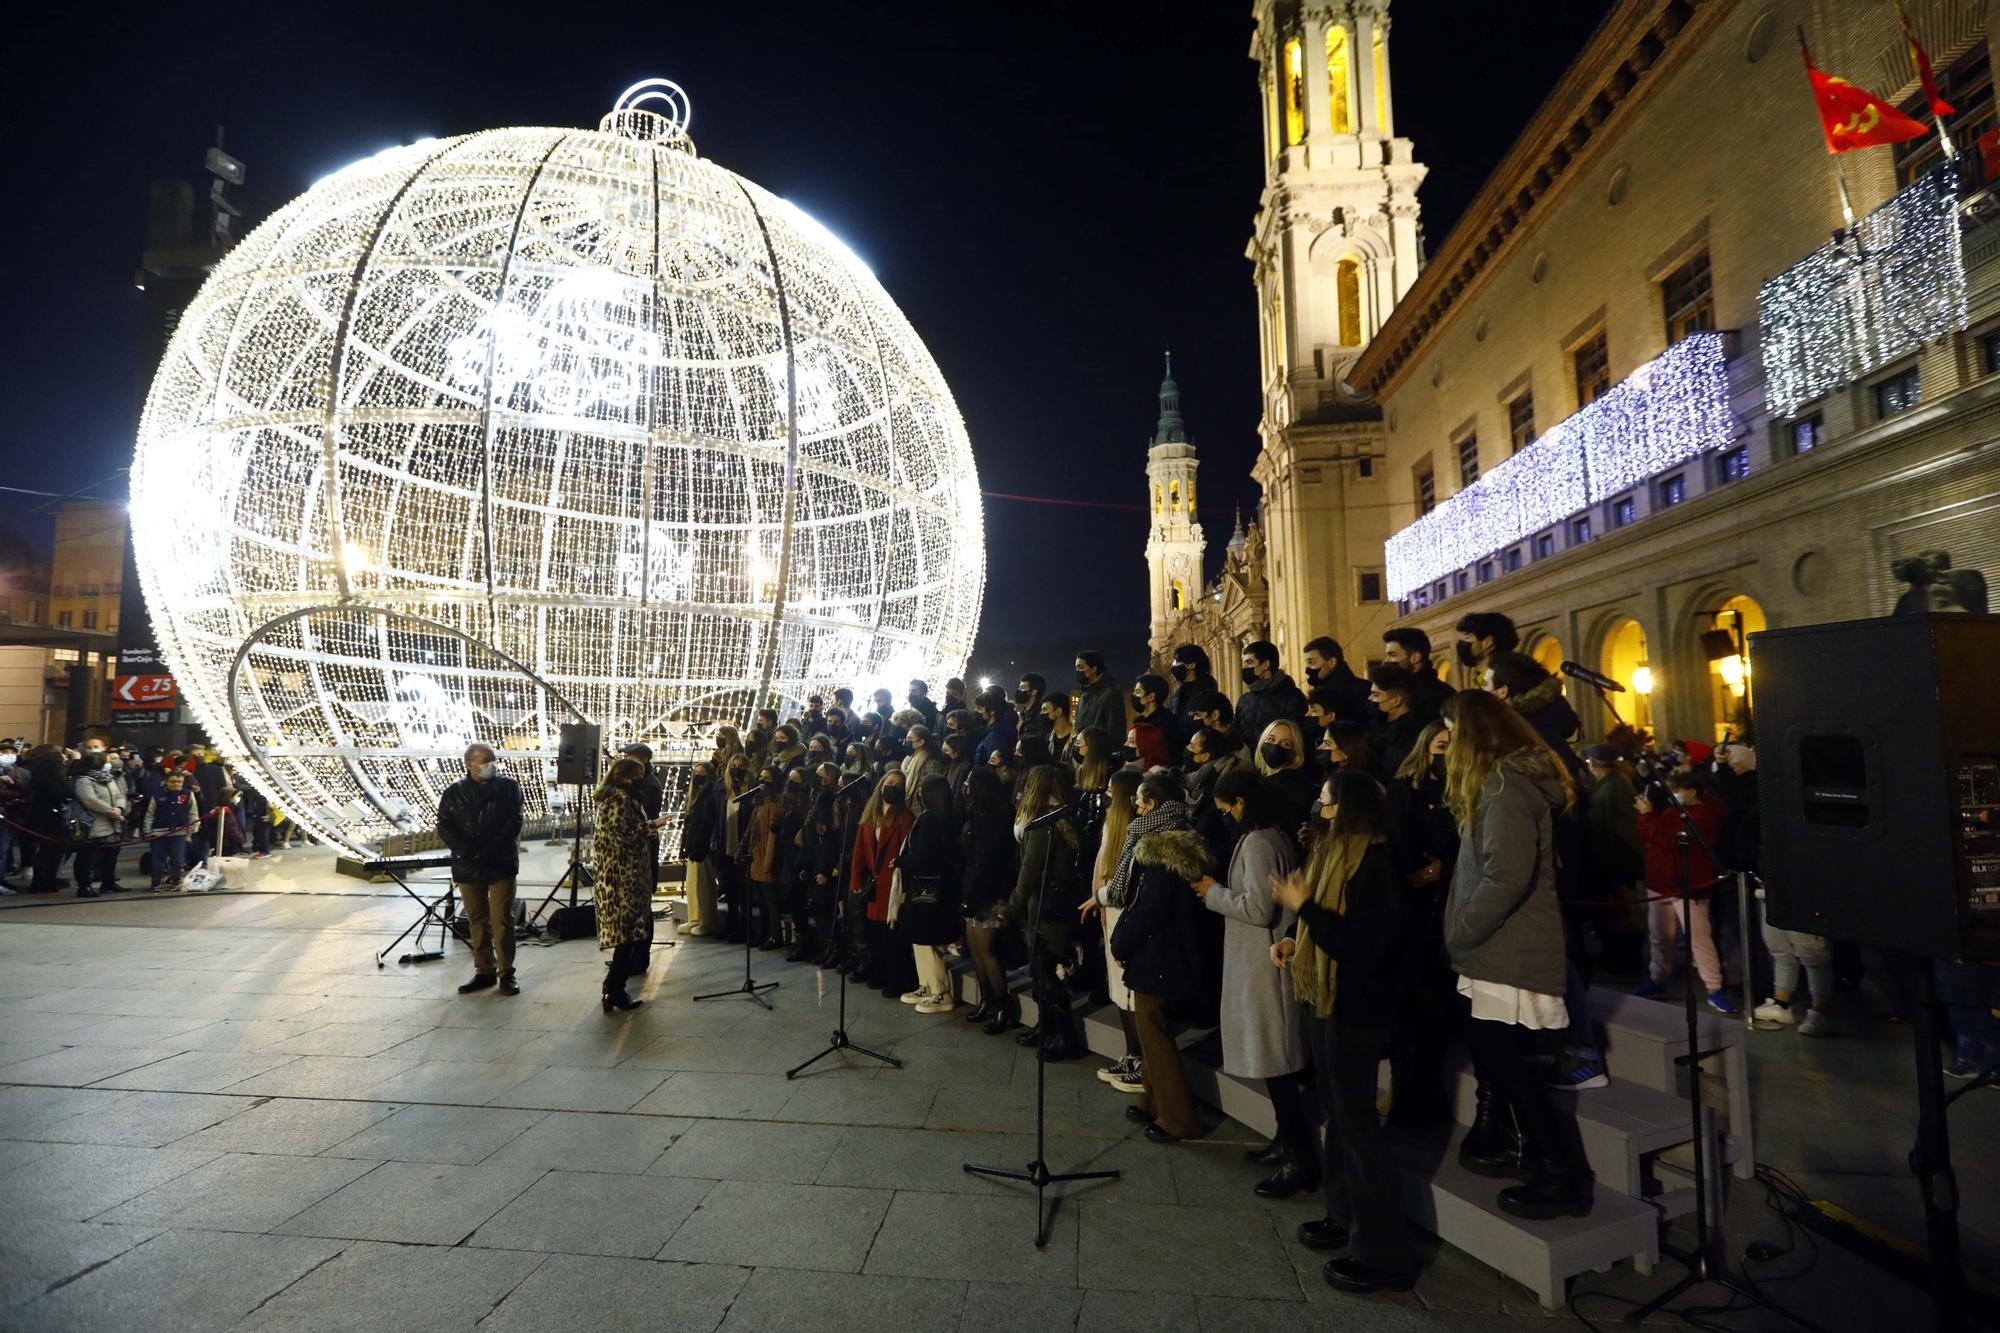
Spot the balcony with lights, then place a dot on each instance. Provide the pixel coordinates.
(1669, 413)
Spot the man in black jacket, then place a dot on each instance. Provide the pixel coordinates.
(479, 819)
(1327, 669)
(1192, 679)
(1097, 702)
(1268, 694)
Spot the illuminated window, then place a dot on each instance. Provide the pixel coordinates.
(1688, 299)
(1898, 393)
(1592, 362)
(1673, 490)
(1336, 79)
(1156, 498)
(1807, 432)
(1180, 595)
(1295, 93)
(1545, 545)
(1381, 63)
(1733, 464)
(1347, 293)
(1624, 510)
(1579, 531)
(1174, 496)
(1520, 421)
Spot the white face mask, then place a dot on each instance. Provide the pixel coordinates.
(485, 771)
(7, 760)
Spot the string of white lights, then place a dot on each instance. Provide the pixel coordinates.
(1861, 301)
(530, 384)
(1672, 409)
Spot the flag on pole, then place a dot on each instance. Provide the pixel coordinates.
(1853, 117)
(1921, 59)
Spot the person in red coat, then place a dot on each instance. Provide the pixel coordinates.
(885, 823)
(1679, 879)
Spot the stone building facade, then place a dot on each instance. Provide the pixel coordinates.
(1653, 386)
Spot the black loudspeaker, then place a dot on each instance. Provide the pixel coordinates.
(576, 754)
(1878, 781)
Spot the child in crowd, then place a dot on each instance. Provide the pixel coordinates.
(1679, 877)
(172, 814)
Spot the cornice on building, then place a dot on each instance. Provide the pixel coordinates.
(1618, 69)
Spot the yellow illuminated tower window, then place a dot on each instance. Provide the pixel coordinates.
(1336, 79)
(1347, 292)
(1295, 93)
(1381, 63)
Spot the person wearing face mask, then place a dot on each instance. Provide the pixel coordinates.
(838, 728)
(728, 743)
(885, 825)
(623, 888)
(698, 827)
(1058, 726)
(957, 752)
(1211, 754)
(1281, 760)
(925, 761)
(1345, 745)
(1158, 943)
(1392, 692)
(1263, 1032)
(1149, 705)
(787, 751)
(819, 854)
(479, 820)
(996, 715)
(1098, 702)
(1268, 693)
(734, 847)
(1426, 854)
(13, 805)
(1537, 696)
(1410, 648)
(794, 919)
(989, 849)
(1482, 636)
(766, 867)
(1028, 696)
(929, 917)
(99, 789)
(1047, 893)
(919, 697)
(1192, 678)
(1328, 674)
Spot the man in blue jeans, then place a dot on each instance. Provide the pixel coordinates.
(170, 815)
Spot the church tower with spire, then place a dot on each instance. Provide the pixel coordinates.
(1336, 243)
(1174, 543)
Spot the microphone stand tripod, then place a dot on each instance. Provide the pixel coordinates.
(753, 989)
(1037, 1172)
(1706, 1263)
(840, 1041)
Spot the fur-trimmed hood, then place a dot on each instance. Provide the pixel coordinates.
(1180, 850)
(1536, 765)
(1547, 710)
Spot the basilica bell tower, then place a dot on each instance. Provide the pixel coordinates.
(1174, 542)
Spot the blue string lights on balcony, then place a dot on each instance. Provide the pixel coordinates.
(1865, 298)
(1672, 409)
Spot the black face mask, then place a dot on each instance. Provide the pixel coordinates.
(1466, 656)
(1083, 679)
(1139, 702)
(892, 797)
(1229, 821)
(1275, 755)
(1327, 763)
(1184, 671)
(1249, 675)
(1436, 767)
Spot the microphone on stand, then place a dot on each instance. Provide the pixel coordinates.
(1589, 677)
(758, 790)
(843, 792)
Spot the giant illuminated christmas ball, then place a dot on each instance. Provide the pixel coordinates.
(484, 435)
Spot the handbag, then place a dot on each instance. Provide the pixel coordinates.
(895, 894)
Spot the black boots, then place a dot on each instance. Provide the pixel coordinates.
(1493, 1146)
(1555, 1188)
(614, 997)
(986, 1010)
(1006, 1015)
(1271, 1154)
(1298, 1172)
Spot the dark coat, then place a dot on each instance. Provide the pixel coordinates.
(698, 826)
(1546, 710)
(1173, 732)
(1103, 706)
(999, 738)
(989, 857)
(1182, 702)
(1265, 702)
(1394, 742)
(1350, 693)
(931, 869)
(1367, 941)
(1427, 700)
(481, 823)
(1048, 861)
(1159, 936)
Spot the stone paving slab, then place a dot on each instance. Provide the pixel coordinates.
(183, 1279)
(582, 1294)
(787, 1226)
(240, 1192)
(76, 1181)
(413, 1203)
(615, 1144)
(375, 1288)
(37, 1257)
(750, 1150)
(575, 1212)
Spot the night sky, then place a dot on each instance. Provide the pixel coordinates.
(1052, 193)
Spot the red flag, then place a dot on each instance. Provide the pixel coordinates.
(1853, 117)
(1921, 59)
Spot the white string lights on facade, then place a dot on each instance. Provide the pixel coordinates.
(1672, 409)
(1861, 301)
(635, 433)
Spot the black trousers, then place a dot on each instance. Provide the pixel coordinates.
(733, 892)
(1502, 1057)
(1360, 1184)
(1292, 1104)
(1053, 1019)
(627, 961)
(857, 929)
(97, 863)
(892, 968)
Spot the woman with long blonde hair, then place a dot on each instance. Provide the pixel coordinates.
(1294, 786)
(1504, 933)
(1118, 812)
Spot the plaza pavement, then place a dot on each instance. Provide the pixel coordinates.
(216, 1112)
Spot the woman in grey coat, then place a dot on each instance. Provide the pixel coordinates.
(99, 788)
(1263, 1032)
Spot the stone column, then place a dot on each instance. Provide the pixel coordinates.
(1313, 23)
(1362, 61)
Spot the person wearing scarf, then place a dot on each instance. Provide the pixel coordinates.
(1346, 963)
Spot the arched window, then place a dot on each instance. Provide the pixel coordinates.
(1729, 674)
(1174, 496)
(1347, 295)
(1180, 595)
(1337, 76)
(1624, 659)
(1295, 93)
(1547, 652)
(1156, 497)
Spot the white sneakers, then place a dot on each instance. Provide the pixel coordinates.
(941, 1003)
(917, 996)
(1815, 1024)
(1771, 1011)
